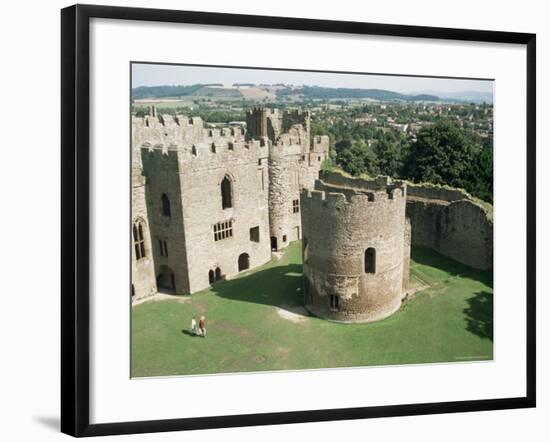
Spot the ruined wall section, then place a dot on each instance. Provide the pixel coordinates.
(339, 225)
(451, 222)
(461, 230)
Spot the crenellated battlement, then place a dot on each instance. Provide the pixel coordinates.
(209, 153)
(194, 141)
(149, 124)
(379, 183)
(347, 198)
(264, 110)
(380, 189)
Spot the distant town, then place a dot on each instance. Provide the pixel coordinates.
(377, 109)
(443, 139)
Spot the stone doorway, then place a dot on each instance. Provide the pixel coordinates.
(166, 280)
(244, 262)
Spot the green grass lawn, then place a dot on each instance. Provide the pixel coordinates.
(450, 320)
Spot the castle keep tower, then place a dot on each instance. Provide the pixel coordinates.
(355, 248)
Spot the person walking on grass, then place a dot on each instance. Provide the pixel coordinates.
(202, 327)
(193, 326)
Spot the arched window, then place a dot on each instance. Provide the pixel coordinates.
(244, 262)
(218, 273)
(166, 209)
(370, 260)
(227, 194)
(211, 276)
(139, 240)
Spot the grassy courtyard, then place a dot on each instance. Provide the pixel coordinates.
(250, 326)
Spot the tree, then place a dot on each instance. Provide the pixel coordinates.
(442, 154)
(390, 158)
(481, 175)
(358, 159)
(342, 145)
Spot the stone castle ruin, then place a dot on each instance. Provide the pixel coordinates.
(209, 203)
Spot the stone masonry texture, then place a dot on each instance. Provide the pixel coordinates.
(213, 202)
(179, 160)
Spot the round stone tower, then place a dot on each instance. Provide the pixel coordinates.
(355, 249)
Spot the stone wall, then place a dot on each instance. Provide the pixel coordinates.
(451, 222)
(293, 165)
(445, 219)
(187, 162)
(339, 225)
(143, 269)
(161, 169)
(462, 230)
(201, 179)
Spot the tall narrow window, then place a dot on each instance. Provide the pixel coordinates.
(295, 206)
(370, 260)
(227, 197)
(166, 209)
(139, 240)
(334, 302)
(163, 247)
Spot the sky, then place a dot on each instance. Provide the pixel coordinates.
(161, 75)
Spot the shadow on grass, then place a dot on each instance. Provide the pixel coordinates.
(479, 315)
(189, 333)
(429, 257)
(277, 286)
(282, 285)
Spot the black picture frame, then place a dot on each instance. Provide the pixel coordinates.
(75, 213)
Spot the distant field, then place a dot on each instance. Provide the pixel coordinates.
(251, 326)
(164, 103)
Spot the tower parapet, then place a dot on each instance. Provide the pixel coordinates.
(354, 247)
(263, 122)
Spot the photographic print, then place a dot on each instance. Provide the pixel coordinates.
(295, 220)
